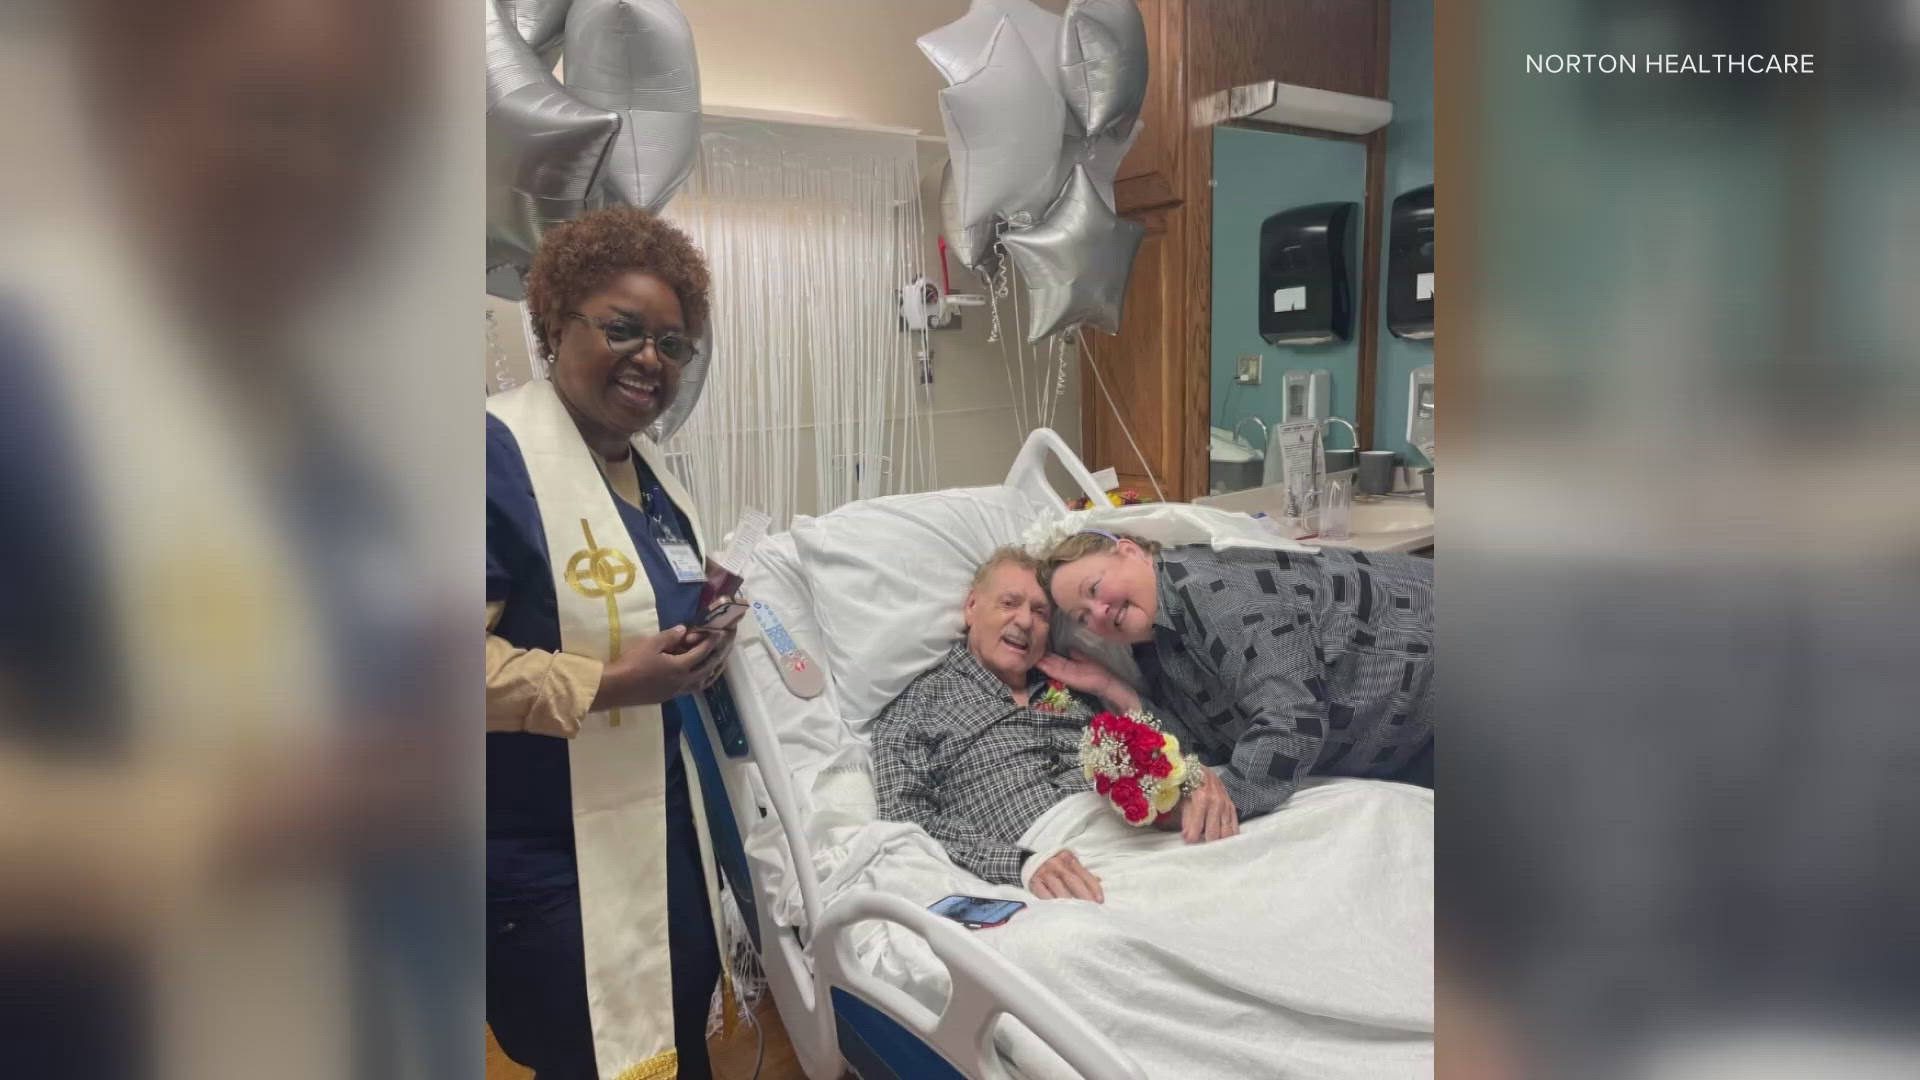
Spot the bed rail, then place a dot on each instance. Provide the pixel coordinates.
(985, 986)
(1029, 472)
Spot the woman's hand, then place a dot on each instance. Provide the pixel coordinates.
(1206, 813)
(660, 668)
(1088, 677)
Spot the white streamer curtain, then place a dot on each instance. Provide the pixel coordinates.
(813, 398)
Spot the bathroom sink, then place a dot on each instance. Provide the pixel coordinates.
(1227, 447)
(1374, 515)
(1377, 524)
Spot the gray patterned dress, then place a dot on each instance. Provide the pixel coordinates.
(1272, 665)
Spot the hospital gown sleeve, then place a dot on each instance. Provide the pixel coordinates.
(1280, 683)
(905, 783)
(536, 691)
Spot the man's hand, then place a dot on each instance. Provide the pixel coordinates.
(1207, 813)
(1062, 877)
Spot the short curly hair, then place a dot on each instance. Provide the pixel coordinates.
(580, 256)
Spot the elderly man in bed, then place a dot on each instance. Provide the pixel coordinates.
(971, 753)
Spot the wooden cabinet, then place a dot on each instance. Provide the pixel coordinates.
(1156, 369)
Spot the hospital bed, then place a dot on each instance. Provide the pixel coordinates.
(863, 977)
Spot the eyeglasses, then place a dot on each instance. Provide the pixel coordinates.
(628, 337)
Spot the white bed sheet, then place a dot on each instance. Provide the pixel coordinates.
(1302, 947)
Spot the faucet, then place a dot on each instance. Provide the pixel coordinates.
(1352, 432)
(1262, 444)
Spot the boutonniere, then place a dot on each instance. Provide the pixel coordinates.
(1056, 698)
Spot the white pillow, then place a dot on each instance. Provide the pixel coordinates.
(888, 577)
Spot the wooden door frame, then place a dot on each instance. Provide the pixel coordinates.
(1197, 199)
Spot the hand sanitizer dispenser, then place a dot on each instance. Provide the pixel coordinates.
(1420, 411)
(1306, 395)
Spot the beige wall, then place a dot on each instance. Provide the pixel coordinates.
(855, 60)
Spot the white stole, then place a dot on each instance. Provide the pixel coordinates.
(617, 761)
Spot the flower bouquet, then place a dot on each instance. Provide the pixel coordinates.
(1136, 766)
(1118, 497)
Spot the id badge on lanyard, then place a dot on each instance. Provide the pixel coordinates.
(687, 565)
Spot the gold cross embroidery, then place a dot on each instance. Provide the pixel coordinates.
(608, 574)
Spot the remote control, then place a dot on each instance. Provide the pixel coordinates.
(798, 670)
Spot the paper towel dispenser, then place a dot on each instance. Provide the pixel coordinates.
(1307, 257)
(1410, 265)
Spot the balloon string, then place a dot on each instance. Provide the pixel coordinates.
(1060, 382)
(1124, 430)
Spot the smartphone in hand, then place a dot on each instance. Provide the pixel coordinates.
(721, 616)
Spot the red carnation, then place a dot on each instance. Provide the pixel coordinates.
(1102, 784)
(1161, 767)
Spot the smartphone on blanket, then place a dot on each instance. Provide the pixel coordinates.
(975, 912)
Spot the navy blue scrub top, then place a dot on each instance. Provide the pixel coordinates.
(529, 787)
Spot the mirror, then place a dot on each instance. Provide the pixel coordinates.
(1407, 187)
(1289, 224)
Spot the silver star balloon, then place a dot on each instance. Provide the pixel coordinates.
(544, 149)
(1003, 136)
(968, 244)
(1074, 265)
(636, 57)
(959, 49)
(1101, 154)
(541, 23)
(1103, 62)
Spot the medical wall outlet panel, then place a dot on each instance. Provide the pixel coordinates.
(798, 669)
(1307, 394)
(1247, 371)
(1307, 261)
(1410, 265)
(1420, 411)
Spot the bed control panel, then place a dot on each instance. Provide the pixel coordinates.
(726, 719)
(800, 671)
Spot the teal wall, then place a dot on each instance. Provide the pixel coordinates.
(1409, 165)
(1257, 173)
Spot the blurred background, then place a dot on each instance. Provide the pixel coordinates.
(239, 518)
(1680, 542)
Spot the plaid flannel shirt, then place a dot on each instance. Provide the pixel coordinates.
(955, 755)
(1277, 664)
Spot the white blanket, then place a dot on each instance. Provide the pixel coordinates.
(1301, 948)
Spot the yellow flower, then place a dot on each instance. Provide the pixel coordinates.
(1114, 498)
(1164, 799)
(1177, 759)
